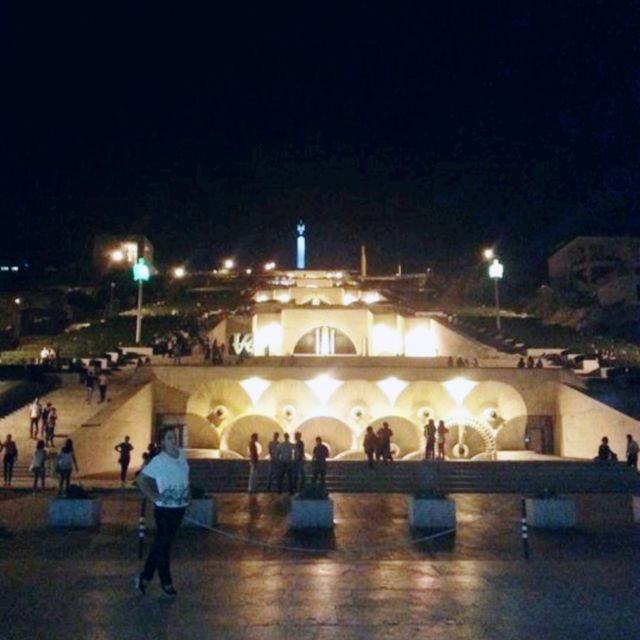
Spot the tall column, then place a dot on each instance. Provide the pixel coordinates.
(301, 247)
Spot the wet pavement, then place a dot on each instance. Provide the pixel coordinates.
(371, 578)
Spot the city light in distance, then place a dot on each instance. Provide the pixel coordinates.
(179, 272)
(117, 255)
(489, 254)
(248, 271)
(270, 266)
(228, 264)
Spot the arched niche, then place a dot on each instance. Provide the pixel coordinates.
(236, 435)
(325, 340)
(219, 393)
(287, 394)
(424, 393)
(334, 433)
(406, 434)
(358, 394)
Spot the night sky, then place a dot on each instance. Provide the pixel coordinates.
(423, 132)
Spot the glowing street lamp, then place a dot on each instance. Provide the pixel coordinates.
(179, 272)
(228, 264)
(489, 254)
(141, 274)
(117, 255)
(270, 266)
(496, 271)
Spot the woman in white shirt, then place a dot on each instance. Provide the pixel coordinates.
(164, 481)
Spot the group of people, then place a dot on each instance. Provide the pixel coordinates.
(530, 363)
(93, 378)
(287, 461)
(462, 362)
(173, 345)
(63, 462)
(605, 454)
(213, 351)
(42, 421)
(435, 437)
(378, 444)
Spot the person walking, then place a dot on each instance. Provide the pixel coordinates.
(604, 451)
(299, 475)
(385, 442)
(370, 445)
(102, 386)
(50, 430)
(632, 452)
(319, 461)
(35, 413)
(37, 465)
(285, 464)
(165, 481)
(430, 436)
(274, 469)
(10, 457)
(253, 463)
(124, 448)
(65, 464)
(441, 433)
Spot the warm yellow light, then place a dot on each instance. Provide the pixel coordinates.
(179, 272)
(228, 264)
(284, 298)
(18, 300)
(489, 254)
(117, 255)
(324, 386)
(255, 387)
(270, 266)
(348, 299)
(248, 272)
(385, 340)
(371, 297)
(392, 388)
(269, 336)
(261, 297)
(459, 389)
(420, 342)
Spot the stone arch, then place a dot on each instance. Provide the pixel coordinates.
(235, 436)
(406, 434)
(336, 434)
(219, 393)
(425, 393)
(477, 437)
(342, 343)
(287, 393)
(362, 394)
(331, 322)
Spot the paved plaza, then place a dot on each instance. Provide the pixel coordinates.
(370, 578)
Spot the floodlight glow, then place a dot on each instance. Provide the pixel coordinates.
(324, 386)
(371, 297)
(248, 271)
(18, 300)
(255, 387)
(228, 264)
(284, 298)
(385, 340)
(420, 342)
(348, 299)
(117, 255)
(496, 269)
(269, 336)
(270, 266)
(261, 297)
(392, 388)
(488, 254)
(179, 272)
(459, 389)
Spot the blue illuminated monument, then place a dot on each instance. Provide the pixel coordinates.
(300, 258)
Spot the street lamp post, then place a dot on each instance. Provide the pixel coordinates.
(140, 275)
(496, 271)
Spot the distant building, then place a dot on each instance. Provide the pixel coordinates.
(120, 252)
(589, 262)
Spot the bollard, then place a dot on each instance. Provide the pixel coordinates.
(525, 530)
(141, 528)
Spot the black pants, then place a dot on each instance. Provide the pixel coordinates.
(33, 427)
(370, 453)
(632, 460)
(124, 466)
(167, 525)
(8, 468)
(285, 469)
(103, 392)
(319, 471)
(300, 476)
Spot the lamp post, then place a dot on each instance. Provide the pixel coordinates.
(496, 271)
(140, 275)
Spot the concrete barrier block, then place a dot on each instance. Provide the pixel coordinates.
(65, 512)
(201, 512)
(311, 514)
(551, 513)
(436, 513)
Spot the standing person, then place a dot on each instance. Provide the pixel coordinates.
(89, 384)
(632, 452)
(64, 466)
(50, 430)
(35, 413)
(319, 461)
(299, 476)
(285, 463)
(10, 457)
(430, 435)
(604, 451)
(207, 349)
(253, 463)
(124, 449)
(102, 386)
(370, 445)
(37, 465)
(165, 481)
(45, 417)
(274, 465)
(385, 442)
(442, 438)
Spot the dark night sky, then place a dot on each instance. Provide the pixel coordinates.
(422, 131)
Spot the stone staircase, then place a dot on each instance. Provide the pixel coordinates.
(522, 477)
(73, 412)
